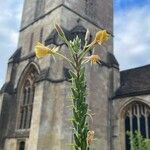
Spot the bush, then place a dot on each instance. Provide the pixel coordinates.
(138, 142)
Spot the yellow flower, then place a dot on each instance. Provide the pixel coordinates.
(101, 37)
(90, 137)
(87, 35)
(93, 58)
(42, 51)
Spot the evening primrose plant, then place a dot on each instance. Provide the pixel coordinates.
(83, 136)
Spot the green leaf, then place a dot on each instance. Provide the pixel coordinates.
(75, 114)
(75, 124)
(73, 75)
(74, 92)
(77, 140)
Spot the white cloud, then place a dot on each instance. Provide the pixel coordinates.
(14, 38)
(132, 37)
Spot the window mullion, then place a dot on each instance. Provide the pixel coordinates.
(31, 96)
(23, 118)
(146, 124)
(26, 96)
(138, 118)
(29, 115)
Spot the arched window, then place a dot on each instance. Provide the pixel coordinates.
(26, 100)
(137, 118)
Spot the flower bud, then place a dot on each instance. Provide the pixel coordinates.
(87, 36)
(90, 137)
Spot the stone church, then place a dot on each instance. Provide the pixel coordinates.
(34, 98)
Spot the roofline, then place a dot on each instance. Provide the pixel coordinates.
(148, 65)
(130, 94)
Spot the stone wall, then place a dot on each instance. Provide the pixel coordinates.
(10, 144)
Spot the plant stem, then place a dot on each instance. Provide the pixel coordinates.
(80, 106)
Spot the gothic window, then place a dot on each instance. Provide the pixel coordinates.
(27, 97)
(40, 6)
(137, 118)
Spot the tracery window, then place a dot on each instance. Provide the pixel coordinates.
(26, 100)
(137, 118)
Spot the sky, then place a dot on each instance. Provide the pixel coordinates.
(10, 16)
(131, 32)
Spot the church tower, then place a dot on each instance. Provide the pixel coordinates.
(34, 100)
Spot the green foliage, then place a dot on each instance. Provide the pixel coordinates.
(80, 106)
(138, 142)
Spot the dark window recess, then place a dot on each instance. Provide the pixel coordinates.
(40, 6)
(127, 128)
(27, 101)
(142, 126)
(41, 35)
(135, 128)
(137, 118)
(31, 42)
(22, 145)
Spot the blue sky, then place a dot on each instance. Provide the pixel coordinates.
(131, 30)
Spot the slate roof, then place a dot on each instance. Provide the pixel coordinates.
(134, 82)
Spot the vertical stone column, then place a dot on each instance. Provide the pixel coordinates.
(54, 132)
(36, 116)
(99, 105)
